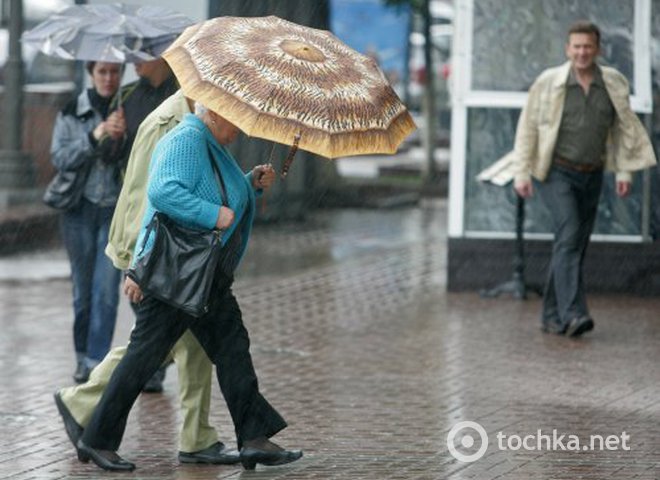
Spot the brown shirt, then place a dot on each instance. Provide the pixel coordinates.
(585, 122)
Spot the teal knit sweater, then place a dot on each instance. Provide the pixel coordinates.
(183, 186)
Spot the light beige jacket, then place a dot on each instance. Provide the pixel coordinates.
(127, 219)
(628, 146)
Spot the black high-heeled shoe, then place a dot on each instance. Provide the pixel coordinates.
(105, 459)
(82, 457)
(250, 456)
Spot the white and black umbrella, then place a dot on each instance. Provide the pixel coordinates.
(114, 33)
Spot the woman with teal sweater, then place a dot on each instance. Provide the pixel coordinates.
(183, 186)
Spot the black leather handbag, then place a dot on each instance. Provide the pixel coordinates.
(65, 190)
(180, 268)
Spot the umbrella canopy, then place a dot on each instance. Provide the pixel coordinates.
(276, 80)
(107, 32)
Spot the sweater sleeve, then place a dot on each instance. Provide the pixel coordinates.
(176, 172)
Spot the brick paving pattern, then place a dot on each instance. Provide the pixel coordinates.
(371, 362)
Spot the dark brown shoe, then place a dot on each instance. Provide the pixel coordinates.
(553, 329)
(81, 375)
(216, 454)
(578, 326)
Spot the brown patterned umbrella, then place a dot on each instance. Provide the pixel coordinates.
(276, 80)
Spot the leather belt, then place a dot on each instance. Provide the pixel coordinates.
(578, 167)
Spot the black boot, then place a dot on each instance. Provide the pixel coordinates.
(155, 383)
(81, 375)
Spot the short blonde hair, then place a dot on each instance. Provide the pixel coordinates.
(200, 110)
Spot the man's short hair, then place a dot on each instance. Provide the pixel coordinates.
(584, 26)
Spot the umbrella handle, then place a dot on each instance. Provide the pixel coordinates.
(117, 101)
(289, 157)
(263, 196)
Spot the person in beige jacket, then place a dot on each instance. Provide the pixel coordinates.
(576, 123)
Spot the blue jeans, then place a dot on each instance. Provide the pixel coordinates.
(572, 198)
(95, 280)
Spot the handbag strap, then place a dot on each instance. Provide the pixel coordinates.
(153, 225)
(218, 177)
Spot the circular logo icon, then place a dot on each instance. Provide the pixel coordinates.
(467, 441)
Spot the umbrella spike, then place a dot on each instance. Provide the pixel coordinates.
(289, 157)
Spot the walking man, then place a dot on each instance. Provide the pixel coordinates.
(577, 122)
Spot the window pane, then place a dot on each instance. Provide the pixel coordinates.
(514, 40)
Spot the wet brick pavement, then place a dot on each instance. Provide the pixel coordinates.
(359, 346)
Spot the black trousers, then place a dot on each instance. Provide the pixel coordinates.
(223, 336)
